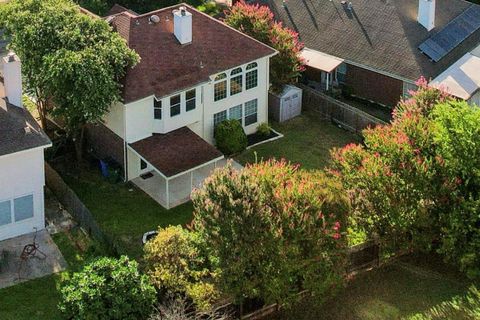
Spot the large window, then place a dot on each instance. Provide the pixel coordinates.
(5, 213)
(236, 81)
(190, 100)
(251, 108)
(157, 109)
(220, 87)
(251, 77)
(175, 105)
(23, 208)
(219, 117)
(235, 113)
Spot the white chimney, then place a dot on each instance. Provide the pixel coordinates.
(12, 78)
(182, 25)
(426, 13)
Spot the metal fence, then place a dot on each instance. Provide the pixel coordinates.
(351, 118)
(76, 208)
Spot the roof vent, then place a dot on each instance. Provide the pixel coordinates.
(350, 6)
(154, 19)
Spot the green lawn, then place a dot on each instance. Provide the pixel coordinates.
(307, 140)
(402, 290)
(122, 210)
(38, 298)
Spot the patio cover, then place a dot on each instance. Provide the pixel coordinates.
(176, 152)
(462, 79)
(320, 61)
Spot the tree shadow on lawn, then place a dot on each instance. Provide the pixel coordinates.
(406, 288)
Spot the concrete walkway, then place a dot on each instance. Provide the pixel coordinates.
(14, 270)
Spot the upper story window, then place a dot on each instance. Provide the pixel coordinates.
(236, 81)
(220, 87)
(190, 100)
(175, 105)
(157, 109)
(251, 77)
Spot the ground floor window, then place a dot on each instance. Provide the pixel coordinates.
(219, 117)
(235, 113)
(19, 209)
(251, 109)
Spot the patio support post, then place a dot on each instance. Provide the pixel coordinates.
(328, 80)
(168, 193)
(191, 181)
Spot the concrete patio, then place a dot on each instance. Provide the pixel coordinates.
(14, 270)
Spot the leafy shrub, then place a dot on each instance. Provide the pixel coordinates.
(264, 129)
(273, 229)
(230, 137)
(177, 308)
(108, 288)
(176, 265)
(416, 181)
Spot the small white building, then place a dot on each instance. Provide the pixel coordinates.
(194, 72)
(22, 144)
(285, 105)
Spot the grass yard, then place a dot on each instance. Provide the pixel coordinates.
(403, 290)
(38, 298)
(122, 210)
(307, 140)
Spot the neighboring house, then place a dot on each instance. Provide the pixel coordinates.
(378, 48)
(194, 73)
(22, 144)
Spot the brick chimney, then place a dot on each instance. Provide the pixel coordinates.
(12, 79)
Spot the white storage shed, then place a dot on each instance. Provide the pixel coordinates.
(285, 105)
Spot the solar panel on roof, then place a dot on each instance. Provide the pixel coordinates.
(454, 33)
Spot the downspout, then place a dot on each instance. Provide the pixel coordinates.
(125, 158)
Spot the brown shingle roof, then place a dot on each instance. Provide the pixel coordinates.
(18, 129)
(167, 66)
(176, 151)
(381, 34)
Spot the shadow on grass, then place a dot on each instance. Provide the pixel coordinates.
(403, 290)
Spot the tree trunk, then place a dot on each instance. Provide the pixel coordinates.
(78, 142)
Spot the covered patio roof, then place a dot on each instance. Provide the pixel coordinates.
(320, 61)
(462, 79)
(176, 152)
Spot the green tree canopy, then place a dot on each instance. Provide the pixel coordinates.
(72, 62)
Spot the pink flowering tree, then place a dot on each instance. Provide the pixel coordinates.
(415, 181)
(274, 230)
(258, 22)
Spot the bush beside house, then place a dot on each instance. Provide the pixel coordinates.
(230, 137)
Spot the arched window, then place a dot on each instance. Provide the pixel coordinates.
(251, 77)
(220, 87)
(236, 81)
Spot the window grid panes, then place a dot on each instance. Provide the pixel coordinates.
(157, 109)
(251, 112)
(220, 90)
(175, 105)
(23, 208)
(251, 79)
(5, 213)
(190, 98)
(219, 117)
(236, 84)
(235, 113)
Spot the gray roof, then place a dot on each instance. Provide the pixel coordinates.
(14, 136)
(381, 34)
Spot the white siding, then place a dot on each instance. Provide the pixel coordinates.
(114, 119)
(23, 174)
(139, 119)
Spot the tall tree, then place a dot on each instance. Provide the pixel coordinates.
(72, 62)
(258, 22)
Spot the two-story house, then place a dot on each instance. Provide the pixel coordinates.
(22, 145)
(195, 72)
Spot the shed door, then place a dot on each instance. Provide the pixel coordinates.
(296, 108)
(286, 110)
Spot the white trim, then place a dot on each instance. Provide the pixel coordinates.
(26, 150)
(180, 173)
(268, 140)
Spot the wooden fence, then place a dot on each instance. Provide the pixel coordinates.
(76, 208)
(351, 118)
